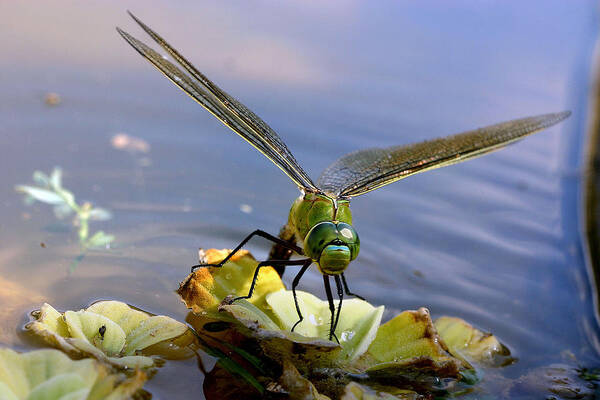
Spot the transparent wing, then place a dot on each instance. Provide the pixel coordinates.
(228, 110)
(365, 170)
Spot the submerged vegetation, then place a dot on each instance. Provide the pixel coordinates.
(49, 190)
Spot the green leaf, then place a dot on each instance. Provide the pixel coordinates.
(50, 375)
(41, 178)
(110, 331)
(470, 344)
(68, 197)
(62, 210)
(356, 329)
(153, 330)
(99, 239)
(97, 329)
(56, 178)
(99, 214)
(43, 195)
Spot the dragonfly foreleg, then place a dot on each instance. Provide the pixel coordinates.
(340, 291)
(294, 284)
(331, 306)
(272, 263)
(348, 292)
(257, 232)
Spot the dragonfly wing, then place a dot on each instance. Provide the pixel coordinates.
(228, 110)
(365, 170)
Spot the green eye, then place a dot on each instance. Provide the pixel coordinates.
(348, 235)
(325, 233)
(318, 237)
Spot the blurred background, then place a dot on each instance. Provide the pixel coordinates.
(499, 241)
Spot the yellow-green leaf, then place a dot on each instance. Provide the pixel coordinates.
(470, 344)
(51, 375)
(100, 331)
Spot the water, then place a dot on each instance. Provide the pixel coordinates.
(496, 241)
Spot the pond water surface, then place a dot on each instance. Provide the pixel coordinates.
(496, 241)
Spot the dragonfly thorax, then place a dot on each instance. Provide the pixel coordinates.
(324, 226)
(332, 245)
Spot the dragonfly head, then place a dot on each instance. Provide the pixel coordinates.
(332, 245)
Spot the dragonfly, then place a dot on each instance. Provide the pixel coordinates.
(320, 219)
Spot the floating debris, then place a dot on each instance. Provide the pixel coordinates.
(123, 141)
(52, 99)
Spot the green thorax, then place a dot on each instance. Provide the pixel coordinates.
(324, 226)
(311, 208)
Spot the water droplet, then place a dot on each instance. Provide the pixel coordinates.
(228, 276)
(347, 335)
(313, 319)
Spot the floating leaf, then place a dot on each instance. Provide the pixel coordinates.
(470, 344)
(355, 391)
(407, 335)
(51, 375)
(297, 386)
(243, 310)
(108, 330)
(357, 325)
(406, 352)
(205, 288)
(43, 195)
(125, 316)
(97, 329)
(151, 331)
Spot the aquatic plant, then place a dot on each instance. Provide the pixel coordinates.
(110, 331)
(51, 375)
(408, 356)
(49, 190)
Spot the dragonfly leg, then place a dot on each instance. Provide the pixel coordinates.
(280, 252)
(340, 291)
(257, 232)
(348, 292)
(272, 263)
(331, 306)
(294, 284)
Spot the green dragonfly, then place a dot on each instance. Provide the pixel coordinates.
(320, 219)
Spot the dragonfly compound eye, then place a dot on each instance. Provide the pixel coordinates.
(348, 235)
(332, 246)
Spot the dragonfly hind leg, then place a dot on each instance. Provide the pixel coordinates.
(292, 248)
(347, 290)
